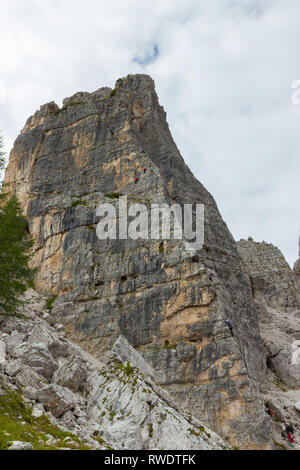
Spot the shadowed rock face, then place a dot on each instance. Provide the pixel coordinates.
(169, 303)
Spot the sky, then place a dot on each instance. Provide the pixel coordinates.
(223, 71)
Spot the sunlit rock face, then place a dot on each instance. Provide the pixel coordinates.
(168, 301)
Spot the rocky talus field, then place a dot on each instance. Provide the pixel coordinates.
(122, 344)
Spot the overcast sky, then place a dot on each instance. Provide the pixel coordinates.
(223, 71)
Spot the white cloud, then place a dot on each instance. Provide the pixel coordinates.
(223, 73)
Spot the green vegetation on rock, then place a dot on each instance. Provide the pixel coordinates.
(50, 302)
(17, 424)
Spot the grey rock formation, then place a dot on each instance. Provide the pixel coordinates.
(71, 374)
(271, 280)
(64, 163)
(28, 377)
(37, 356)
(123, 350)
(13, 340)
(141, 416)
(56, 399)
(276, 290)
(281, 335)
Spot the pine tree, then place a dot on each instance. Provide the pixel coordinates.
(15, 250)
(2, 164)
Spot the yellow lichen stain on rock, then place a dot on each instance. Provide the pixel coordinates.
(207, 296)
(123, 135)
(170, 188)
(82, 143)
(173, 327)
(137, 109)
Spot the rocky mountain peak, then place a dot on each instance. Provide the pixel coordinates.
(168, 302)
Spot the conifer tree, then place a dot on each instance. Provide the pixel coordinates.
(15, 249)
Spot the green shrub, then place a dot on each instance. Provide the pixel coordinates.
(150, 428)
(113, 195)
(128, 369)
(50, 302)
(64, 108)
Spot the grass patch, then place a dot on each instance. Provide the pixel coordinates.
(113, 195)
(169, 346)
(79, 202)
(195, 433)
(14, 411)
(280, 385)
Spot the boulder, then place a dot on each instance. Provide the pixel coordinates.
(71, 374)
(12, 368)
(56, 399)
(38, 410)
(30, 393)
(43, 334)
(19, 445)
(28, 377)
(14, 340)
(37, 356)
(68, 419)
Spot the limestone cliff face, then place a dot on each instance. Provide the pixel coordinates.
(169, 303)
